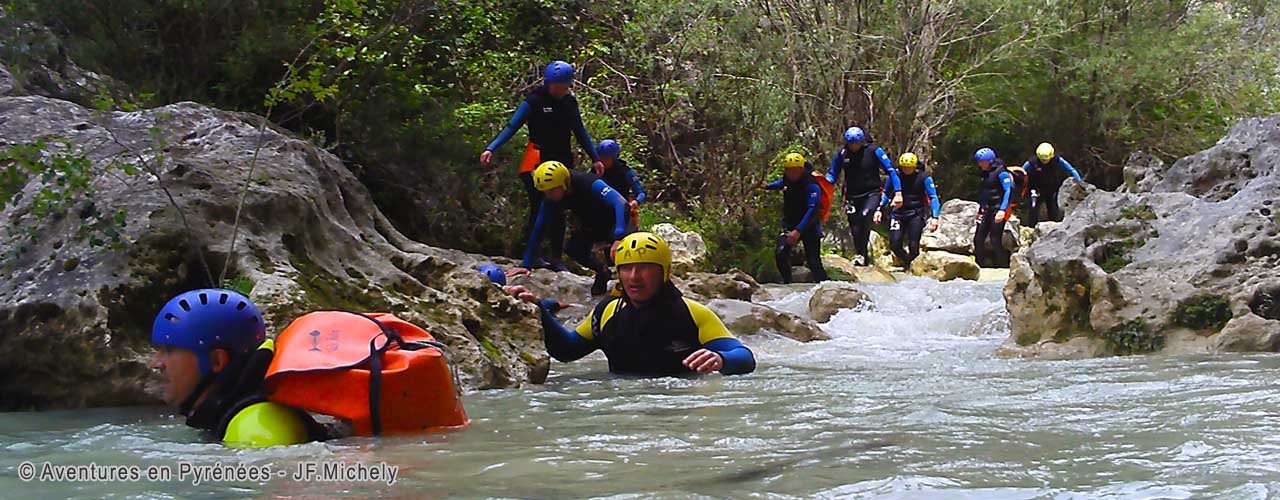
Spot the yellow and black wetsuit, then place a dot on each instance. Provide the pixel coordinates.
(653, 339)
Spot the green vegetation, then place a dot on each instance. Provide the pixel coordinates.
(1142, 213)
(1203, 312)
(1133, 337)
(1116, 254)
(413, 90)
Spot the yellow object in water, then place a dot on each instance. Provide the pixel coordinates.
(265, 424)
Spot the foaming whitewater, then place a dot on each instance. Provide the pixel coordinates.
(906, 401)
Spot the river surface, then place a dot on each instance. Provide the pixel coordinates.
(905, 402)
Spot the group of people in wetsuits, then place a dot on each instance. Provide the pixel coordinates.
(211, 344)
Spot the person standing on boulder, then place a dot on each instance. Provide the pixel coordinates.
(1044, 183)
(800, 219)
(993, 209)
(907, 222)
(551, 112)
(651, 329)
(862, 161)
(621, 178)
(600, 212)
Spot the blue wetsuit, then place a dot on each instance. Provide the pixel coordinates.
(906, 224)
(988, 240)
(1043, 185)
(800, 213)
(862, 189)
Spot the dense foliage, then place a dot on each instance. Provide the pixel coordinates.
(704, 95)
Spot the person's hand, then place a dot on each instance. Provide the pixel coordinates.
(634, 204)
(933, 225)
(517, 271)
(1002, 216)
(599, 166)
(520, 293)
(876, 218)
(704, 361)
(793, 237)
(486, 158)
(759, 185)
(897, 199)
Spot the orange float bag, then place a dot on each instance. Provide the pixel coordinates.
(383, 374)
(828, 195)
(532, 158)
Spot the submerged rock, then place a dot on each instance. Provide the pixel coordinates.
(1192, 265)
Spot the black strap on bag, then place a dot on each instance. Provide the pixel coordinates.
(375, 364)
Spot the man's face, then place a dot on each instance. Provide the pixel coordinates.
(608, 162)
(181, 371)
(793, 174)
(558, 90)
(641, 281)
(853, 146)
(555, 194)
(907, 170)
(984, 164)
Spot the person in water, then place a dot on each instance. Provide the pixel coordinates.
(600, 212)
(993, 209)
(621, 178)
(920, 208)
(495, 274)
(861, 161)
(800, 218)
(551, 112)
(213, 353)
(1044, 183)
(652, 329)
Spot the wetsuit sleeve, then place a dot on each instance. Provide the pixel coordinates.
(635, 185)
(833, 172)
(1026, 165)
(584, 139)
(615, 200)
(517, 121)
(531, 250)
(1006, 183)
(563, 344)
(716, 338)
(935, 205)
(815, 195)
(886, 191)
(1070, 169)
(888, 168)
(775, 184)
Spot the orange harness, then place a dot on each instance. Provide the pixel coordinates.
(383, 374)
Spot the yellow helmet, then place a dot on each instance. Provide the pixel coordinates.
(551, 175)
(908, 160)
(1045, 152)
(265, 424)
(793, 160)
(644, 248)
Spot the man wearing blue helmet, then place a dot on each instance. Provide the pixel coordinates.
(994, 202)
(552, 114)
(213, 353)
(862, 161)
(620, 177)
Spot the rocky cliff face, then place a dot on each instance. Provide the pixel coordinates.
(1183, 259)
(75, 314)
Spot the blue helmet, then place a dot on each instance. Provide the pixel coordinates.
(985, 154)
(559, 72)
(495, 274)
(854, 134)
(208, 319)
(608, 148)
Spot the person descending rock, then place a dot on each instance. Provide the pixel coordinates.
(652, 329)
(993, 209)
(862, 161)
(552, 115)
(1044, 183)
(213, 352)
(495, 274)
(621, 178)
(601, 215)
(920, 208)
(800, 218)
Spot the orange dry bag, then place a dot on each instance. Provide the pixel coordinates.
(828, 195)
(383, 374)
(532, 158)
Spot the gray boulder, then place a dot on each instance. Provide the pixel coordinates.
(746, 318)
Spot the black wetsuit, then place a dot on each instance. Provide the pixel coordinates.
(988, 240)
(800, 213)
(862, 190)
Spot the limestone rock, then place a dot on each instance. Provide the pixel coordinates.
(944, 266)
(831, 297)
(732, 285)
(687, 248)
(746, 318)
